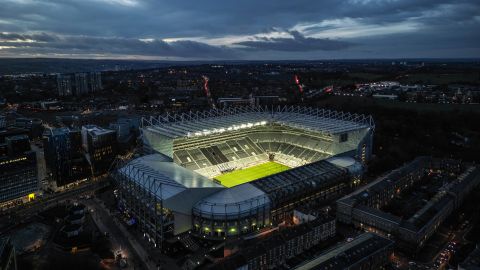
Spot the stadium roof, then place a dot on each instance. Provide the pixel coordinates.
(270, 190)
(301, 179)
(233, 201)
(168, 178)
(221, 120)
(353, 166)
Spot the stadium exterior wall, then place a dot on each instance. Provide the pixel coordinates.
(217, 212)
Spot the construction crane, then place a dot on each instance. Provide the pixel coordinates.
(312, 92)
(296, 78)
(297, 82)
(207, 92)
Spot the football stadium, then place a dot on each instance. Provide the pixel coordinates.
(236, 171)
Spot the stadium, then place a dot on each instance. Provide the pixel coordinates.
(237, 171)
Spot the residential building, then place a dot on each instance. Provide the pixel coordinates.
(472, 262)
(367, 251)
(364, 208)
(64, 85)
(81, 84)
(95, 81)
(3, 122)
(275, 249)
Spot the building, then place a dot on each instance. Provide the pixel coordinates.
(64, 85)
(326, 132)
(64, 156)
(364, 207)
(385, 96)
(8, 260)
(10, 132)
(126, 128)
(175, 189)
(250, 101)
(17, 144)
(268, 201)
(367, 251)
(18, 177)
(472, 262)
(22, 122)
(3, 122)
(95, 82)
(100, 146)
(81, 84)
(236, 101)
(273, 251)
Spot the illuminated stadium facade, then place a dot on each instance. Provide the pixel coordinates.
(174, 189)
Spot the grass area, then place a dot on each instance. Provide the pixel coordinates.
(249, 174)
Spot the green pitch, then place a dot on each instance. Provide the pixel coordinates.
(249, 174)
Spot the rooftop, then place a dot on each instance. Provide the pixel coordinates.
(347, 254)
(168, 177)
(239, 199)
(313, 175)
(96, 130)
(228, 119)
(271, 189)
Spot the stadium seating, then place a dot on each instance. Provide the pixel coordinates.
(227, 152)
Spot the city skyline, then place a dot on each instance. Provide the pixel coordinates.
(215, 30)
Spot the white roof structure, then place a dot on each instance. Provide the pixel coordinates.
(353, 166)
(217, 121)
(168, 178)
(233, 202)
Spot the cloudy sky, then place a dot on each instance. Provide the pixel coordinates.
(245, 29)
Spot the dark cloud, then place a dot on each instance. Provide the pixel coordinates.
(47, 43)
(297, 43)
(41, 37)
(115, 27)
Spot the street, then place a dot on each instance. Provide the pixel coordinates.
(121, 237)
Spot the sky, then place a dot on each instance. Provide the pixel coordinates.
(240, 30)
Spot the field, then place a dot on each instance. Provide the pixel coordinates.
(249, 174)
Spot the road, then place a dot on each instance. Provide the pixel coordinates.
(148, 255)
(106, 224)
(21, 213)
(139, 254)
(120, 236)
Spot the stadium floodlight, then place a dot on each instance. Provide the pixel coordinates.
(223, 129)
